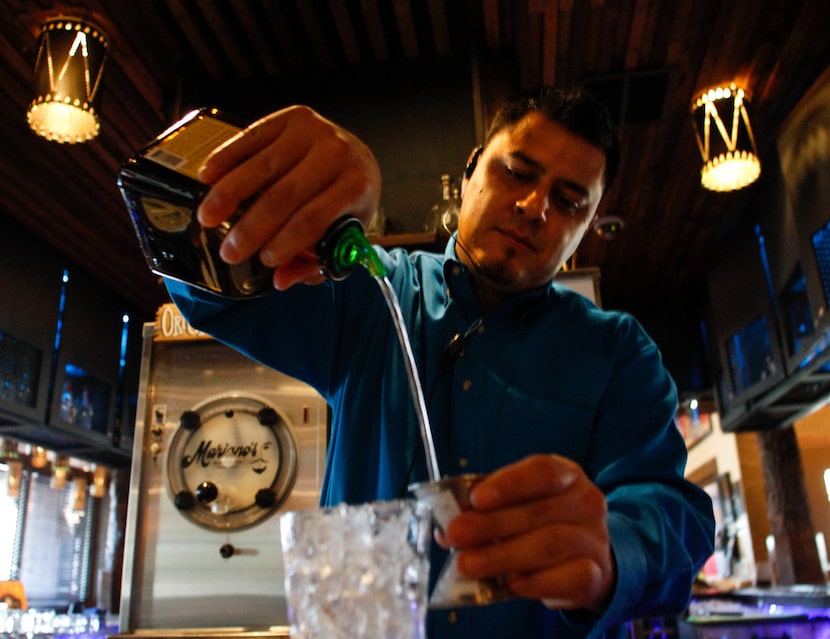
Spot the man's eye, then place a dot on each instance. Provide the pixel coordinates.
(565, 203)
(517, 175)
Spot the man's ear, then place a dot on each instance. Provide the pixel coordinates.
(472, 161)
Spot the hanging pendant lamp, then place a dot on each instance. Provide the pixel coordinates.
(67, 78)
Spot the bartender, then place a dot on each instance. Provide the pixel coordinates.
(584, 513)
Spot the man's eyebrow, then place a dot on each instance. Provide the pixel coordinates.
(576, 186)
(520, 155)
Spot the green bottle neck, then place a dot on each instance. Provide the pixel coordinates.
(345, 245)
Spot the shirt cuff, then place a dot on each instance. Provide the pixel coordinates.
(630, 579)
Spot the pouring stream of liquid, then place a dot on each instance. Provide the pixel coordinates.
(412, 374)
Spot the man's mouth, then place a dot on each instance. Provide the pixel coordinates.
(518, 238)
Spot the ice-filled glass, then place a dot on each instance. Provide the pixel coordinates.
(357, 571)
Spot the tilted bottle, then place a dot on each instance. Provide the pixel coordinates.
(161, 189)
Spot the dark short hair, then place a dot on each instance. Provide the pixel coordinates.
(576, 109)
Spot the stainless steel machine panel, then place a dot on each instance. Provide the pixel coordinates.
(218, 570)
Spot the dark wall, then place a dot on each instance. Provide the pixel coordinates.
(34, 302)
(418, 119)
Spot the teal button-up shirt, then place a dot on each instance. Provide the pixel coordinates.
(548, 372)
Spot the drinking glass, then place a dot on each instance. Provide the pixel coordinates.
(357, 571)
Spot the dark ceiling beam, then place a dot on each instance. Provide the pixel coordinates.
(205, 49)
(345, 29)
(222, 31)
(374, 27)
(492, 25)
(548, 12)
(440, 28)
(406, 29)
(253, 28)
(286, 40)
(311, 23)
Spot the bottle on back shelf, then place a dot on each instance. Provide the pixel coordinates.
(442, 210)
(449, 219)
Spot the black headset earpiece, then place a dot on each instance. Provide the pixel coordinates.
(471, 165)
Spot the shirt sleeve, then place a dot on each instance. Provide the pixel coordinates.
(308, 332)
(291, 331)
(661, 526)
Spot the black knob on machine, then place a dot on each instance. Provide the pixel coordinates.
(190, 420)
(268, 416)
(226, 551)
(184, 500)
(206, 492)
(265, 498)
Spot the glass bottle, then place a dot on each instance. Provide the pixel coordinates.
(435, 219)
(161, 189)
(449, 219)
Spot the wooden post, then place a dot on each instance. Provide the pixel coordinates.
(788, 508)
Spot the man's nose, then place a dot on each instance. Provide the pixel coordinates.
(534, 206)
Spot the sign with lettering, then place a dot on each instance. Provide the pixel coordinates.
(231, 462)
(171, 325)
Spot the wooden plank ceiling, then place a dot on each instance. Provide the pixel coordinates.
(775, 48)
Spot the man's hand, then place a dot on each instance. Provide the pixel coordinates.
(541, 525)
(292, 174)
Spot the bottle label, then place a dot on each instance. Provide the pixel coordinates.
(185, 149)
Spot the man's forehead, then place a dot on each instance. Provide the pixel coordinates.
(534, 125)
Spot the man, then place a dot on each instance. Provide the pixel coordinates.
(584, 512)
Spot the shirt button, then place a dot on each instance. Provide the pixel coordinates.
(452, 616)
(456, 270)
(466, 384)
(463, 462)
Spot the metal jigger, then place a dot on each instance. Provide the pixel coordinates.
(447, 497)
